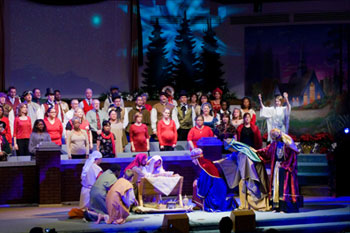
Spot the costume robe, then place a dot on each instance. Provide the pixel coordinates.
(119, 199)
(99, 191)
(283, 188)
(212, 188)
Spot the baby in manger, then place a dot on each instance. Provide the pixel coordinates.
(162, 182)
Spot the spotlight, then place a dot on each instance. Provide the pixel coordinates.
(346, 130)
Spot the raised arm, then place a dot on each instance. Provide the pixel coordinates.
(261, 102)
(285, 95)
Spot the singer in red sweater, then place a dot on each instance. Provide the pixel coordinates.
(139, 137)
(22, 130)
(54, 126)
(198, 131)
(166, 132)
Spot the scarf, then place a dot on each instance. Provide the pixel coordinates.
(245, 149)
(107, 137)
(137, 161)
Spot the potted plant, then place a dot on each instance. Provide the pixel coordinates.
(324, 141)
(307, 142)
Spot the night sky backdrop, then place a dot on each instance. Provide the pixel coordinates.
(83, 45)
(287, 42)
(74, 47)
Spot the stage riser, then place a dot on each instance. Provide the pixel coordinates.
(307, 220)
(19, 185)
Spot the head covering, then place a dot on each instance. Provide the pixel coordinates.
(49, 91)
(278, 134)
(115, 96)
(243, 148)
(2, 94)
(145, 94)
(196, 153)
(114, 87)
(150, 165)
(163, 93)
(25, 93)
(115, 167)
(217, 90)
(205, 164)
(137, 161)
(169, 88)
(128, 174)
(89, 162)
(183, 93)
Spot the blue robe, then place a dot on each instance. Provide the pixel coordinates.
(214, 191)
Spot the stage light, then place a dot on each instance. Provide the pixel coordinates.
(96, 20)
(346, 130)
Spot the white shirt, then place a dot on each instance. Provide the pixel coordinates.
(154, 118)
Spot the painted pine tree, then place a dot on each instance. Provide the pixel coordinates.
(157, 73)
(211, 72)
(185, 64)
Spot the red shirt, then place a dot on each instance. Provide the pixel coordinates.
(22, 128)
(139, 136)
(257, 135)
(7, 130)
(195, 134)
(55, 130)
(148, 107)
(167, 134)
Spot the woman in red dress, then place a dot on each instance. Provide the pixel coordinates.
(54, 126)
(22, 130)
(166, 132)
(7, 131)
(216, 103)
(198, 131)
(139, 138)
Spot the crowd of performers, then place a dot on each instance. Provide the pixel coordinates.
(27, 122)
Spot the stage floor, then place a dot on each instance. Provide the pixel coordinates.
(319, 214)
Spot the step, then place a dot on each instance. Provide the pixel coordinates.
(330, 227)
(315, 191)
(317, 217)
(313, 169)
(313, 174)
(312, 180)
(321, 158)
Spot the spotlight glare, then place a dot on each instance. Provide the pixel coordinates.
(346, 130)
(96, 20)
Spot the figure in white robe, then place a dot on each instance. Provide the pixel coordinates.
(89, 175)
(277, 116)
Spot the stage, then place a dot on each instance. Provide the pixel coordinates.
(319, 214)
